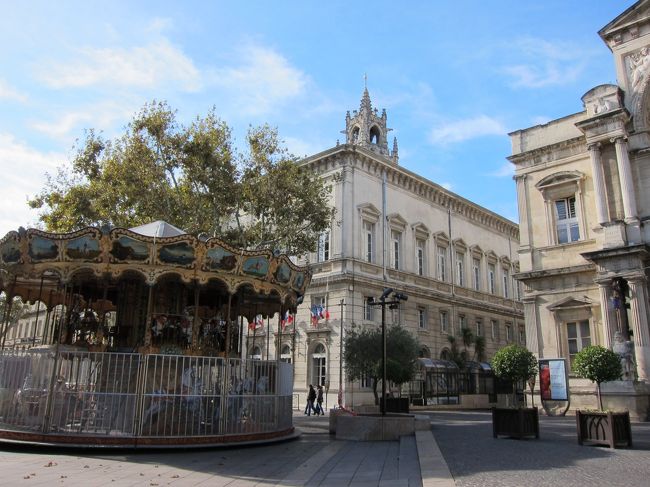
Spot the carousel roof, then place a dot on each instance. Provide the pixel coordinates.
(159, 228)
(36, 263)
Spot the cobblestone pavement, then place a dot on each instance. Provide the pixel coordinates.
(475, 458)
(315, 459)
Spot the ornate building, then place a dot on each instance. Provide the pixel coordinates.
(584, 202)
(393, 228)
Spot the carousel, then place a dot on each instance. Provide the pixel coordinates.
(141, 344)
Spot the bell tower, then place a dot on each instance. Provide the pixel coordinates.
(367, 128)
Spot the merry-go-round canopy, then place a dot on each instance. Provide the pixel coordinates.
(163, 285)
(38, 263)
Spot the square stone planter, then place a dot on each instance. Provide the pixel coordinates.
(515, 423)
(604, 428)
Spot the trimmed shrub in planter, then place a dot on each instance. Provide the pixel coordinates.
(604, 428)
(599, 364)
(516, 364)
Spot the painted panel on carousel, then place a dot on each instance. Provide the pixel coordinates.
(127, 248)
(256, 266)
(219, 259)
(180, 253)
(10, 252)
(41, 248)
(283, 273)
(299, 281)
(83, 248)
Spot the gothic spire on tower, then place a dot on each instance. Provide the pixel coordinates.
(367, 128)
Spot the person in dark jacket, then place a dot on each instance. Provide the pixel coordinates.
(319, 400)
(311, 397)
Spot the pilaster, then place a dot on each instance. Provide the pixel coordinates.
(641, 332)
(607, 312)
(599, 185)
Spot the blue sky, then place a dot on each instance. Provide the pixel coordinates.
(454, 77)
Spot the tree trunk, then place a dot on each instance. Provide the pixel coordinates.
(374, 390)
(600, 399)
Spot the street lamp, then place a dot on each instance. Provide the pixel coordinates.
(392, 304)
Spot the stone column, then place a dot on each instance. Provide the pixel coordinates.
(599, 184)
(524, 234)
(640, 325)
(608, 315)
(532, 328)
(625, 177)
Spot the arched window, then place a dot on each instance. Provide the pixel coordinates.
(255, 353)
(319, 365)
(375, 135)
(285, 354)
(445, 354)
(355, 135)
(424, 353)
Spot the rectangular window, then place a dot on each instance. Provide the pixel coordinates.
(369, 236)
(479, 328)
(367, 309)
(460, 269)
(444, 322)
(579, 337)
(491, 279)
(508, 332)
(442, 263)
(476, 274)
(506, 279)
(422, 318)
(522, 336)
(494, 325)
(324, 247)
(462, 323)
(366, 381)
(396, 244)
(420, 253)
(566, 220)
(320, 371)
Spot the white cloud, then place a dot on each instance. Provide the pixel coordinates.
(24, 171)
(263, 79)
(156, 64)
(302, 148)
(11, 93)
(159, 24)
(101, 115)
(546, 63)
(506, 170)
(469, 128)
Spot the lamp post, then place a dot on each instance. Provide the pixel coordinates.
(392, 304)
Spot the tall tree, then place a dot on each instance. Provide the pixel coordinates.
(193, 177)
(9, 315)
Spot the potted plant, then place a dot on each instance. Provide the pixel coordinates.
(599, 364)
(516, 364)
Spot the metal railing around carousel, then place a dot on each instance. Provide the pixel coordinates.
(77, 392)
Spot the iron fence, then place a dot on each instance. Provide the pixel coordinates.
(134, 395)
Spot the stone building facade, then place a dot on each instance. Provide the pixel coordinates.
(583, 186)
(454, 259)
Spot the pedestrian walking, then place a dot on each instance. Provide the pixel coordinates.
(311, 397)
(319, 401)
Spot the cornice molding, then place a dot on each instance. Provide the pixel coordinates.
(376, 165)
